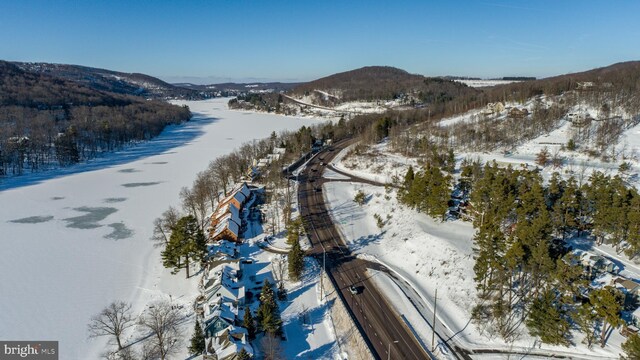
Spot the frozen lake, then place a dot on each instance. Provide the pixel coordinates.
(75, 239)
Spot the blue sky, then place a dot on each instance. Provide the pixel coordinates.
(213, 41)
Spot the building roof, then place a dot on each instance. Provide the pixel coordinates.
(226, 208)
(629, 285)
(228, 225)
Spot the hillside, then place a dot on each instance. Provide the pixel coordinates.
(47, 121)
(621, 77)
(371, 89)
(230, 89)
(381, 83)
(114, 81)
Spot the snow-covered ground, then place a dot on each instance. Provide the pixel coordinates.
(73, 240)
(425, 255)
(484, 83)
(306, 322)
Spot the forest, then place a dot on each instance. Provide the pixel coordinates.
(48, 122)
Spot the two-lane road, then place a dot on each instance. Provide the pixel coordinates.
(382, 328)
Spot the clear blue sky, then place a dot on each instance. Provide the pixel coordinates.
(209, 41)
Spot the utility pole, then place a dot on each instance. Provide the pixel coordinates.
(433, 334)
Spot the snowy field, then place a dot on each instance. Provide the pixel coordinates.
(74, 240)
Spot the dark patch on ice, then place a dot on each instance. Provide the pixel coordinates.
(159, 162)
(138, 184)
(57, 198)
(114, 200)
(229, 138)
(32, 220)
(91, 218)
(120, 231)
(129, 170)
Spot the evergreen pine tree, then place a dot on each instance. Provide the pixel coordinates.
(296, 261)
(249, 323)
(631, 347)
(585, 318)
(186, 241)
(197, 346)
(566, 210)
(408, 177)
(607, 306)
(293, 231)
(633, 218)
(547, 320)
(268, 315)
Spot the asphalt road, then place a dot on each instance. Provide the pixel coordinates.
(383, 329)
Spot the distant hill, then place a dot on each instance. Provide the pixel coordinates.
(376, 88)
(114, 81)
(236, 88)
(620, 77)
(46, 120)
(382, 83)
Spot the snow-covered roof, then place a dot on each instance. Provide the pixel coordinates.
(225, 209)
(244, 189)
(222, 248)
(235, 217)
(227, 224)
(230, 341)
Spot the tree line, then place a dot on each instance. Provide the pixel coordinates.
(47, 122)
(523, 270)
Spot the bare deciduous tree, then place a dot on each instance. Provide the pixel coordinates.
(113, 320)
(162, 226)
(271, 348)
(162, 321)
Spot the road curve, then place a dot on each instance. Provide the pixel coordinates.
(383, 329)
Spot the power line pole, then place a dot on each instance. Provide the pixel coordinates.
(433, 334)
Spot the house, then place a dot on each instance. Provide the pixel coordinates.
(222, 250)
(223, 282)
(578, 117)
(225, 210)
(518, 113)
(585, 85)
(218, 317)
(630, 289)
(252, 173)
(238, 196)
(226, 229)
(230, 341)
(226, 221)
(635, 317)
(596, 264)
(493, 108)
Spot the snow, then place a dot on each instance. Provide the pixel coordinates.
(332, 175)
(306, 321)
(61, 264)
(424, 254)
(372, 166)
(484, 83)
